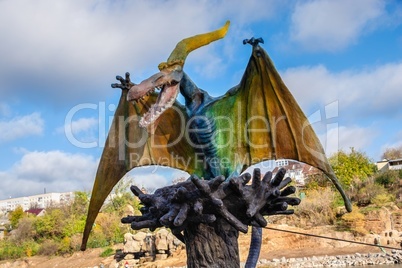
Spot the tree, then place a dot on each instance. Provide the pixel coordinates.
(391, 153)
(51, 224)
(80, 203)
(352, 166)
(15, 216)
(120, 197)
(25, 230)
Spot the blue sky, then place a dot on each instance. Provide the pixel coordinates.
(342, 60)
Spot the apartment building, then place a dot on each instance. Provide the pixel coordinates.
(297, 171)
(36, 201)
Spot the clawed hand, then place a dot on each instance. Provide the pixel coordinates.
(125, 84)
(196, 201)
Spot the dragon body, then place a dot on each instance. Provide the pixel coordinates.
(257, 120)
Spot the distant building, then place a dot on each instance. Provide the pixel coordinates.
(385, 165)
(36, 201)
(295, 170)
(36, 211)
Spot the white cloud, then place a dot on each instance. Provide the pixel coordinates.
(22, 126)
(154, 177)
(73, 52)
(177, 173)
(375, 91)
(332, 25)
(82, 125)
(345, 137)
(150, 179)
(56, 171)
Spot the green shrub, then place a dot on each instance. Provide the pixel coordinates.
(381, 199)
(65, 246)
(387, 178)
(107, 252)
(363, 192)
(9, 250)
(97, 239)
(31, 248)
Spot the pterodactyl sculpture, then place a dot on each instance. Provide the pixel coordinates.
(254, 121)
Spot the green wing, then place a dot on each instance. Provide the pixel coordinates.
(264, 123)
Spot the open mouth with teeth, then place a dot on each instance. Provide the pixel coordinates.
(168, 82)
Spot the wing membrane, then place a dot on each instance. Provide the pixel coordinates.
(128, 146)
(266, 122)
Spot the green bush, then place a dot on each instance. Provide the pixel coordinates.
(65, 246)
(60, 230)
(350, 166)
(381, 199)
(9, 250)
(388, 178)
(31, 248)
(107, 252)
(97, 239)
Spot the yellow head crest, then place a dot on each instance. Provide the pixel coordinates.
(185, 46)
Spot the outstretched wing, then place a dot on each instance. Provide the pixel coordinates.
(265, 122)
(123, 152)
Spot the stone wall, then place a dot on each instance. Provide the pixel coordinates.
(145, 247)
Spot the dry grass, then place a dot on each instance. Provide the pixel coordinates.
(317, 207)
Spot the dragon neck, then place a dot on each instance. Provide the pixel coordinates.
(202, 127)
(202, 132)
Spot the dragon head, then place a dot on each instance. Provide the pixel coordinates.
(168, 82)
(170, 75)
